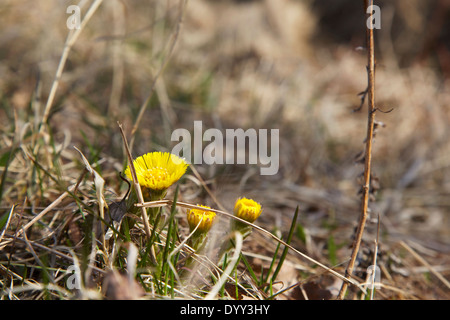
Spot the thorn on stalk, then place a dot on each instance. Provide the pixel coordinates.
(363, 95)
(382, 111)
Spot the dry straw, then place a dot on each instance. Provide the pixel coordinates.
(168, 202)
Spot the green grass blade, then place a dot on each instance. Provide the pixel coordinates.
(332, 256)
(249, 268)
(286, 249)
(272, 264)
(4, 162)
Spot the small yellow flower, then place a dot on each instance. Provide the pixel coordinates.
(158, 170)
(247, 209)
(204, 217)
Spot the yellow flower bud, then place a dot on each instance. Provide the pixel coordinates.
(203, 218)
(247, 209)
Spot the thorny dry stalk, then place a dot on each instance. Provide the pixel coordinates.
(368, 150)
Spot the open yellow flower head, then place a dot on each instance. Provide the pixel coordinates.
(158, 170)
(204, 217)
(247, 209)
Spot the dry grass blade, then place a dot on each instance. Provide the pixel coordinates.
(205, 186)
(48, 209)
(136, 185)
(71, 39)
(183, 4)
(36, 257)
(138, 190)
(264, 231)
(373, 269)
(426, 264)
(53, 251)
(99, 184)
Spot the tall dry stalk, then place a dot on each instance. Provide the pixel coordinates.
(368, 147)
(172, 43)
(70, 41)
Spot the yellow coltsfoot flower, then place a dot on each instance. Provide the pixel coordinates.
(158, 170)
(155, 172)
(201, 221)
(203, 218)
(247, 209)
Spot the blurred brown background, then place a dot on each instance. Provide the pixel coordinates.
(288, 64)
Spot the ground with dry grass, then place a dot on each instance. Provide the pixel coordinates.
(296, 66)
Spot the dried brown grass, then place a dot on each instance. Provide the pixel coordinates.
(261, 64)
